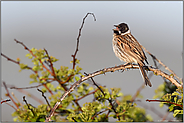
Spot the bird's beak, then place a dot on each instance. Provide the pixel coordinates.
(116, 27)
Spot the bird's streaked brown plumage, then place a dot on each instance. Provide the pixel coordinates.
(128, 49)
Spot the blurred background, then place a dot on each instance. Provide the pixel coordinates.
(157, 25)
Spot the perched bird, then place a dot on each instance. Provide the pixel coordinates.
(128, 49)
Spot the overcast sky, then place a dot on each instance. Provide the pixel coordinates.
(158, 26)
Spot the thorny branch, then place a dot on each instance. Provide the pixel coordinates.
(77, 47)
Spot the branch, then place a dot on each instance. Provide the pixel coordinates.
(83, 79)
(36, 86)
(10, 96)
(165, 75)
(24, 99)
(9, 105)
(25, 92)
(16, 62)
(75, 53)
(51, 65)
(137, 92)
(165, 101)
(111, 69)
(167, 68)
(25, 47)
(44, 98)
(151, 109)
(9, 59)
(86, 95)
(17, 99)
(7, 100)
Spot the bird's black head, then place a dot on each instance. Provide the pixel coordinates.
(123, 27)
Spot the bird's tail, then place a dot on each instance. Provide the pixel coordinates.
(144, 75)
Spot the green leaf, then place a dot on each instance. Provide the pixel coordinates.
(29, 56)
(176, 112)
(161, 105)
(77, 78)
(120, 94)
(80, 89)
(90, 88)
(175, 99)
(171, 107)
(175, 93)
(23, 66)
(107, 96)
(35, 68)
(70, 71)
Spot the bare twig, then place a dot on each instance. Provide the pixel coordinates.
(36, 86)
(165, 101)
(86, 95)
(44, 98)
(137, 92)
(165, 116)
(99, 113)
(24, 99)
(9, 59)
(16, 99)
(5, 101)
(10, 96)
(151, 109)
(25, 92)
(75, 53)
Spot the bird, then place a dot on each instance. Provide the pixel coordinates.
(129, 50)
